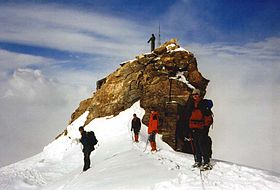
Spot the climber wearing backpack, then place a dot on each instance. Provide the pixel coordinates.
(135, 126)
(88, 141)
(200, 119)
(153, 130)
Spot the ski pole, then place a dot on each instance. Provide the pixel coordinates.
(191, 141)
(192, 146)
(146, 143)
(201, 178)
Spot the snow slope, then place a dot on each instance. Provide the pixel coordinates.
(119, 163)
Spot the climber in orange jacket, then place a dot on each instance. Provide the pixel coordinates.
(153, 129)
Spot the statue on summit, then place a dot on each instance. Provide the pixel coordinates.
(152, 40)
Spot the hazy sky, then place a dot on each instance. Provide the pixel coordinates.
(52, 53)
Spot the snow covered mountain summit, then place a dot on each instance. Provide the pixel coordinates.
(162, 80)
(119, 163)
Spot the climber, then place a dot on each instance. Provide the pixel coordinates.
(153, 129)
(152, 40)
(88, 141)
(135, 126)
(199, 127)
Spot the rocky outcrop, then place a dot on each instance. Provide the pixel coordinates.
(161, 80)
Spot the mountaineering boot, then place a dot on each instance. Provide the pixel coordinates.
(154, 146)
(136, 138)
(206, 167)
(151, 143)
(196, 165)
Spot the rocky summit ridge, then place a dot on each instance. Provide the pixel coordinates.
(162, 80)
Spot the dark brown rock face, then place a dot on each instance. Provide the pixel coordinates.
(157, 80)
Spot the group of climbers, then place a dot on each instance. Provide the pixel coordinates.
(198, 121)
(199, 117)
(152, 129)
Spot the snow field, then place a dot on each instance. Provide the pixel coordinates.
(120, 163)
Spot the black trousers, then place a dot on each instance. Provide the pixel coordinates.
(152, 137)
(87, 153)
(201, 144)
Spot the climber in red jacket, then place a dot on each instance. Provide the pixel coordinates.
(153, 129)
(199, 124)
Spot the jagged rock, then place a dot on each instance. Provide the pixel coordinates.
(148, 79)
(160, 50)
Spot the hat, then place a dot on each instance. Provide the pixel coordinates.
(81, 128)
(196, 91)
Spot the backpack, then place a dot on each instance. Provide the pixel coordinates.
(208, 114)
(91, 138)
